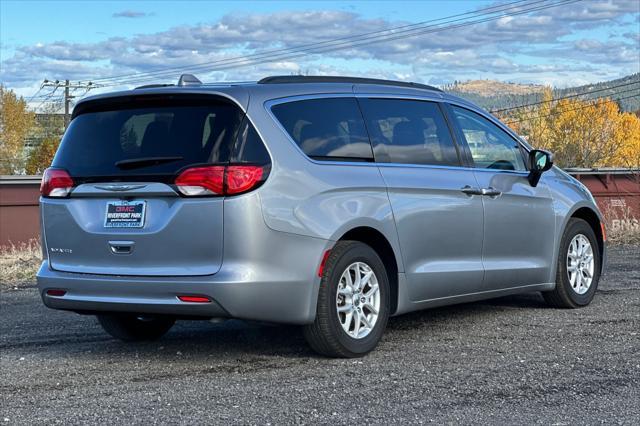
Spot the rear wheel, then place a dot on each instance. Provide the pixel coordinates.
(134, 328)
(353, 302)
(578, 270)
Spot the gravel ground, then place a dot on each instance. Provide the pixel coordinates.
(510, 360)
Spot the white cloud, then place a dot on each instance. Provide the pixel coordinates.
(129, 14)
(490, 48)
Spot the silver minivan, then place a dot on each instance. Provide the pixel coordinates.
(329, 202)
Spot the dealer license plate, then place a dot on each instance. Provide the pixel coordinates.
(125, 214)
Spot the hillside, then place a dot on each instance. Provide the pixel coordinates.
(488, 88)
(493, 95)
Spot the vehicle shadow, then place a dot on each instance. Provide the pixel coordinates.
(476, 311)
(242, 340)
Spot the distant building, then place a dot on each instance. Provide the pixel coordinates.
(47, 125)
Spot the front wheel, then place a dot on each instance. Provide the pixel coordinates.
(578, 267)
(353, 302)
(134, 328)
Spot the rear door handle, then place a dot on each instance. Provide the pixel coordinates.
(121, 247)
(469, 190)
(490, 191)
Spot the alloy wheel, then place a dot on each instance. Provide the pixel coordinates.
(358, 300)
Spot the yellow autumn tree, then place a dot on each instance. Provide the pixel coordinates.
(581, 133)
(629, 154)
(533, 122)
(41, 156)
(15, 124)
(585, 133)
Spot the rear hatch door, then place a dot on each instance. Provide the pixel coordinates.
(124, 215)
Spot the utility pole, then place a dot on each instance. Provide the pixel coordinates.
(67, 102)
(67, 85)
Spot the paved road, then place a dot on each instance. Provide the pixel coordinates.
(509, 360)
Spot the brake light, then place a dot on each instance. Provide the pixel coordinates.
(219, 180)
(194, 299)
(242, 178)
(56, 183)
(201, 181)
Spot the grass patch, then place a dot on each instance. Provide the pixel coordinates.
(19, 264)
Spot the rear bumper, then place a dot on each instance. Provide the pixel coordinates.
(265, 275)
(255, 292)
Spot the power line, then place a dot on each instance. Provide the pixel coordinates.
(571, 109)
(309, 45)
(366, 42)
(45, 99)
(564, 97)
(35, 94)
(67, 96)
(297, 52)
(386, 38)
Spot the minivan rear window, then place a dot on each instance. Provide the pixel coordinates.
(327, 128)
(158, 138)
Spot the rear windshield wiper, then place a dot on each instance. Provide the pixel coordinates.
(135, 163)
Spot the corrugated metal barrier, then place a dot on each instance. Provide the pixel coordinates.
(617, 192)
(19, 215)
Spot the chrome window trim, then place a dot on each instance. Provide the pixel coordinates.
(428, 97)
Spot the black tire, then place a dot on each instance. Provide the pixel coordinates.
(326, 335)
(563, 296)
(132, 328)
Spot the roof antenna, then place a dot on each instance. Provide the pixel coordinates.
(189, 80)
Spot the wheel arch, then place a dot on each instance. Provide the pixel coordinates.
(593, 217)
(381, 245)
(595, 222)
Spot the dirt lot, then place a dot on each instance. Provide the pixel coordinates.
(510, 360)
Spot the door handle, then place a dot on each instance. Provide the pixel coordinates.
(470, 190)
(121, 247)
(490, 191)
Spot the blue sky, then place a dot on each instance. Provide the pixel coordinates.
(574, 43)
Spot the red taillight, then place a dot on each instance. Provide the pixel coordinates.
(242, 178)
(194, 299)
(219, 180)
(202, 181)
(56, 292)
(56, 183)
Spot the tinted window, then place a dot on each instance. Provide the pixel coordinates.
(185, 132)
(248, 147)
(326, 129)
(490, 146)
(404, 131)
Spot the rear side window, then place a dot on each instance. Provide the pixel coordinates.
(410, 132)
(132, 138)
(327, 128)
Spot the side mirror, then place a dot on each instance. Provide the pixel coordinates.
(539, 162)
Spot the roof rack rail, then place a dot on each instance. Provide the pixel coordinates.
(283, 79)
